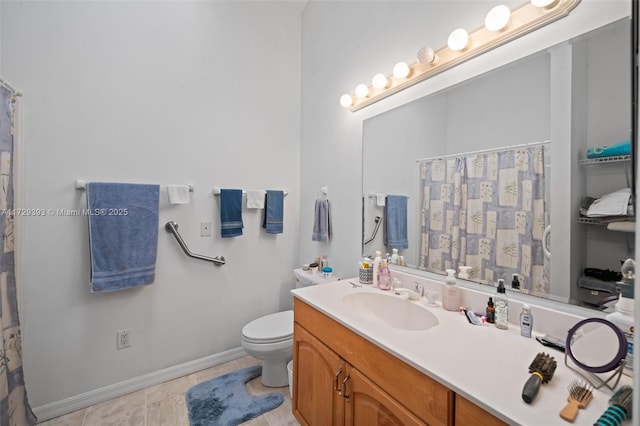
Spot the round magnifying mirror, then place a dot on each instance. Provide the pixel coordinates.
(596, 345)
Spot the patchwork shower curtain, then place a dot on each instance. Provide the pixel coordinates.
(487, 211)
(14, 407)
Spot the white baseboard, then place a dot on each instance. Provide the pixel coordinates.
(84, 400)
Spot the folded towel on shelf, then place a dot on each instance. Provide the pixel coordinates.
(612, 204)
(231, 213)
(123, 234)
(178, 194)
(255, 198)
(621, 148)
(321, 222)
(395, 235)
(274, 212)
(622, 226)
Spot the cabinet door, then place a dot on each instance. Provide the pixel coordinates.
(318, 373)
(469, 414)
(366, 404)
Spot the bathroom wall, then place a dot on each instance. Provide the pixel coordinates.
(206, 93)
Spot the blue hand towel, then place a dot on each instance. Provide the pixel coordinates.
(123, 234)
(231, 213)
(273, 212)
(396, 222)
(321, 222)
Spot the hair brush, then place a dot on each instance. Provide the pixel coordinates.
(541, 369)
(579, 397)
(619, 410)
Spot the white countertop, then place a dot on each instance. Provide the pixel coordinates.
(486, 365)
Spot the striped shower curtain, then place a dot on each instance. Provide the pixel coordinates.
(14, 406)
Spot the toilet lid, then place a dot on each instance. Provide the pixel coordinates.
(270, 328)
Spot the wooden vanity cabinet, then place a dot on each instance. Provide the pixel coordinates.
(342, 378)
(469, 414)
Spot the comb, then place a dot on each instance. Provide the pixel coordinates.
(579, 397)
(541, 369)
(619, 410)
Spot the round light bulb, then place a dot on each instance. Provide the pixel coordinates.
(458, 39)
(379, 81)
(346, 100)
(426, 55)
(497, 18)
(401, 70)
(542, 3)
(362, 91)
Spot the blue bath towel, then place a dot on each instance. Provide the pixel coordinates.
(123, 234)
(274, 212)
(231, 213)
(321, 222)
(395, 235)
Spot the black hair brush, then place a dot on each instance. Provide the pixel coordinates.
(619, 410)
(541, 369)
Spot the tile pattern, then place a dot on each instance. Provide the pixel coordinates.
(165, 405)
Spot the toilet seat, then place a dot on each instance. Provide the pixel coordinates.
(272, 328)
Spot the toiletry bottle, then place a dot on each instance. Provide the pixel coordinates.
(394, 256)
(623, 319)
(526, 321)
(502, 307)
(515, 282)
(384, 279)
(451, 292)
(401, 261)
(376, 267)
(490, 314)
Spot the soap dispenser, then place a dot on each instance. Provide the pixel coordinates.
(451, 293)
(502, 306)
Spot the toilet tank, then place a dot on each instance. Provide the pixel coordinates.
(307, 278)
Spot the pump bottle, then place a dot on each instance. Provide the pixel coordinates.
(502, 306)
(451, 293)
(377, 262)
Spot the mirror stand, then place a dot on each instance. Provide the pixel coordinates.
(596, 381)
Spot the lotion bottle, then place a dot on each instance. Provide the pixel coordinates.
(384, 280)
(451, 293)
(377, 261)
(526, 321)
(502, 306)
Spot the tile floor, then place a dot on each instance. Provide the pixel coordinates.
(165, 405)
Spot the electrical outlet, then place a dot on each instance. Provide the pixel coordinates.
(205, 229)
(123, 338)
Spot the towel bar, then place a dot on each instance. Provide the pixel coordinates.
(82, 185)
(216, 191)
(172, 227)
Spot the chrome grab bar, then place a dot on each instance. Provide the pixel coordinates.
(172, 227)
(378, 220)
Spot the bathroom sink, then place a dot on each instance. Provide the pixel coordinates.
(391, 310)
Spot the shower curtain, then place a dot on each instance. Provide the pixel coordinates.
(487, 211)
(14, 406)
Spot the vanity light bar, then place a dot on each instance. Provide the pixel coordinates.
(527, 18)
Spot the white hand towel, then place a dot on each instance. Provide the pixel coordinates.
(178, 194)
(380, 199)
(255, 198)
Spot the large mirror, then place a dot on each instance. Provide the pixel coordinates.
(507, 111)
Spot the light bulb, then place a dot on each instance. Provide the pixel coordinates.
(426, 55)
(379, 81)
(458, 39)
(497, 18)
(346, 100)
(542, 3)
(362, 91)
(401, 70)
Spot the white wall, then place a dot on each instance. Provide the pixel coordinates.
(206, 93)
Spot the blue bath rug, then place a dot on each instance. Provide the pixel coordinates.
(225, 400)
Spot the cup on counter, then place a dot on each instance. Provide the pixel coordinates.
(365, 275)
(314, 267)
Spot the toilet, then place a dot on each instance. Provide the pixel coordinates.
(270, 338)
